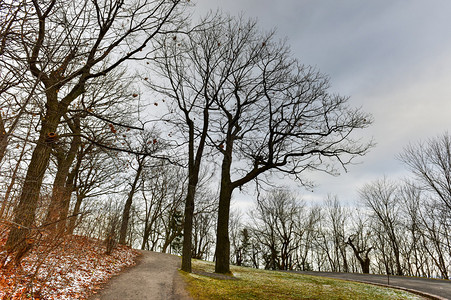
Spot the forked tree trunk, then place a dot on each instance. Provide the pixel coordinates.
(62, 184)
(194, 161)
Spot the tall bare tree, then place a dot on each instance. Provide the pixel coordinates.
(382, 198)
(275, 223)
(275, 114)
(430, 162)
(243, 91)
(191, 98)
(70, 43)
(148, 145)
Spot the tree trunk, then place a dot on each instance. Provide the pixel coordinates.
(75, 212)
(71, 186)
(222, 264)
(188, 225)
(62, 184)
(364, 262)
(3, 139)
(6, 203)
(29, 198)
(194, 160)
(57, 193)
(128, 203)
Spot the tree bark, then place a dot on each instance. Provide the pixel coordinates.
(364, 262)
(188, 225)
(28, 202)
(194, 161)
(3, 139)
(62, 184)
(222, 264)
(128, 203)
(75, 212)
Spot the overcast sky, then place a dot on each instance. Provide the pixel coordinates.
(392, 58)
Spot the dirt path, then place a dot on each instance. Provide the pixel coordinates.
(155, 277)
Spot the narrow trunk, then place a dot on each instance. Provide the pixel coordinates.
(3, 139)
(6, 203)
(71, 186)
(63, 224)
(75, 212)
(194, 161)
(399, 270)
(128, 203)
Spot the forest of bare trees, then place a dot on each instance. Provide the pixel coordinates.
(133, 123)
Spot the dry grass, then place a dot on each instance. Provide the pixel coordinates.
(261, 284)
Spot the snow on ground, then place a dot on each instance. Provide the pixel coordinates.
(73, 267)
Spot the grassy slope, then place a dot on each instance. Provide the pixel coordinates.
(261, 284)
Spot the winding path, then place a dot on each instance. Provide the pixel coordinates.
(154, 277)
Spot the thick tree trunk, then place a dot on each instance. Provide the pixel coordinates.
(62, 185)
(222, 236)
(188, 225)
(128, 203)
(28, 202)
(57, 194)
(399, 270)
(222, 264)
(365, 265)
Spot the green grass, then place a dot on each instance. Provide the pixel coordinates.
(261, 284)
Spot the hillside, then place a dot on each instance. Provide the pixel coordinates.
(248, 283)
(73, 267)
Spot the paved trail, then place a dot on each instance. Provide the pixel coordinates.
(437, 287)
(154, 277)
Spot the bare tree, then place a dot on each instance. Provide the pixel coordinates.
(274, 114)
(16, 88)
(381, 197)
(191, 100)
(69, 44)
(163, 189)
(242, 90)
(336, 216)
(430, 162)
(306, 232)
(359, 240)
(149, 144)
(274, 225)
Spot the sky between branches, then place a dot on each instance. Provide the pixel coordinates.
(391, 57)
